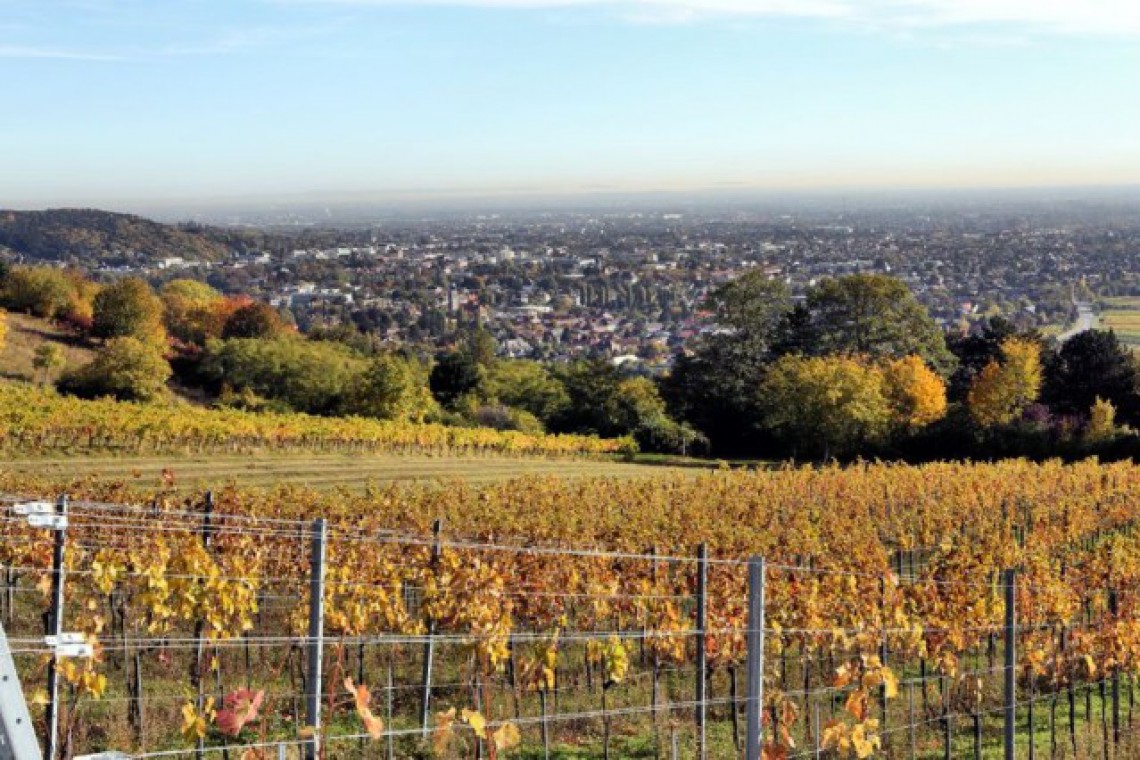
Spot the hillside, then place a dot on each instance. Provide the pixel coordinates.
(87, 236)
(25, 335)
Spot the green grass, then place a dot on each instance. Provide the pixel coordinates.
(318, 470)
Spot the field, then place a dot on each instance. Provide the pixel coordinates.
(321, 471)
(563, 614)
(1122, 315)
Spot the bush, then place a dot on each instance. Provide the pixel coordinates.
(127, 369)
(128, 308)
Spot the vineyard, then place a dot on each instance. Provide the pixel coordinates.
(589, 618)
(34, 420)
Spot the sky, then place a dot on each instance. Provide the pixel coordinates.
(106, 102)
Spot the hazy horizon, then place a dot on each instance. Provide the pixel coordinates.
(122, 102)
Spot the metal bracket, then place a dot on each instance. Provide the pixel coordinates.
(69, 645)
(54, 522)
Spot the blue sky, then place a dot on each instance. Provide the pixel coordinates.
(110, 101)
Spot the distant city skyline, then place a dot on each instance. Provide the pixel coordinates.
(122, 103)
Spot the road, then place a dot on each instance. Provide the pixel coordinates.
(1086, 320)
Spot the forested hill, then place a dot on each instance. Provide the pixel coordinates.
(88, 236)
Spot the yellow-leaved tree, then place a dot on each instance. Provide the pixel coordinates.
(1005, 387)
(828, 403)
(1102, 421)
(917, 393)
(3, 328)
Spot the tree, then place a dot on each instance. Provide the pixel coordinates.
(525, 385)
(1005, 388)
(308, 376)
(48, 358)
(43, 292)
(869, 315)
(3, 328)
(391, 388)
(128, 308)
(480, 345)
(716, 388)
(975, 351)
(752, 305)
(126, 368)
(193, 311)
(1102, 422)
(1089, 366)
(829, 405)
(454, 375)
(255, 320)
(916, 393)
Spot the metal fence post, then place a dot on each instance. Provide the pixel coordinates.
(702, 657)
(316, 637)
(1114, 609)
(1010, 662)
(755, 657)
(55, 628)
(429, 645)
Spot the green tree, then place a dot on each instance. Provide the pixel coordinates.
(309, 376)
(830, 405)
(126, 368)
(868, 315)
(525, 385)
(753, 305)
(454, 376)
(128, 308)
(48, 358)
(255, 320)
(716, 387)
(1089, 366)
(481, 346)
(391, 388)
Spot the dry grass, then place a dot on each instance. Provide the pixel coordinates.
(25, 335)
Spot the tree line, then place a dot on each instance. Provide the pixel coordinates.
(855, 366)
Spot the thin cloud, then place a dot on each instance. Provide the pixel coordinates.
(46, 53)
(1069, 17)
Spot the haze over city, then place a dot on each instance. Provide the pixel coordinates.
(132, 105)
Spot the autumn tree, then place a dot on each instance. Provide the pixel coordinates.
(1005, 387)
(3, 329)
(126, 368)
(193, 311)
(1102, 421)
(916, 393)
(128, 308)
(255, 320)
(40, 291)
(829, 405)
